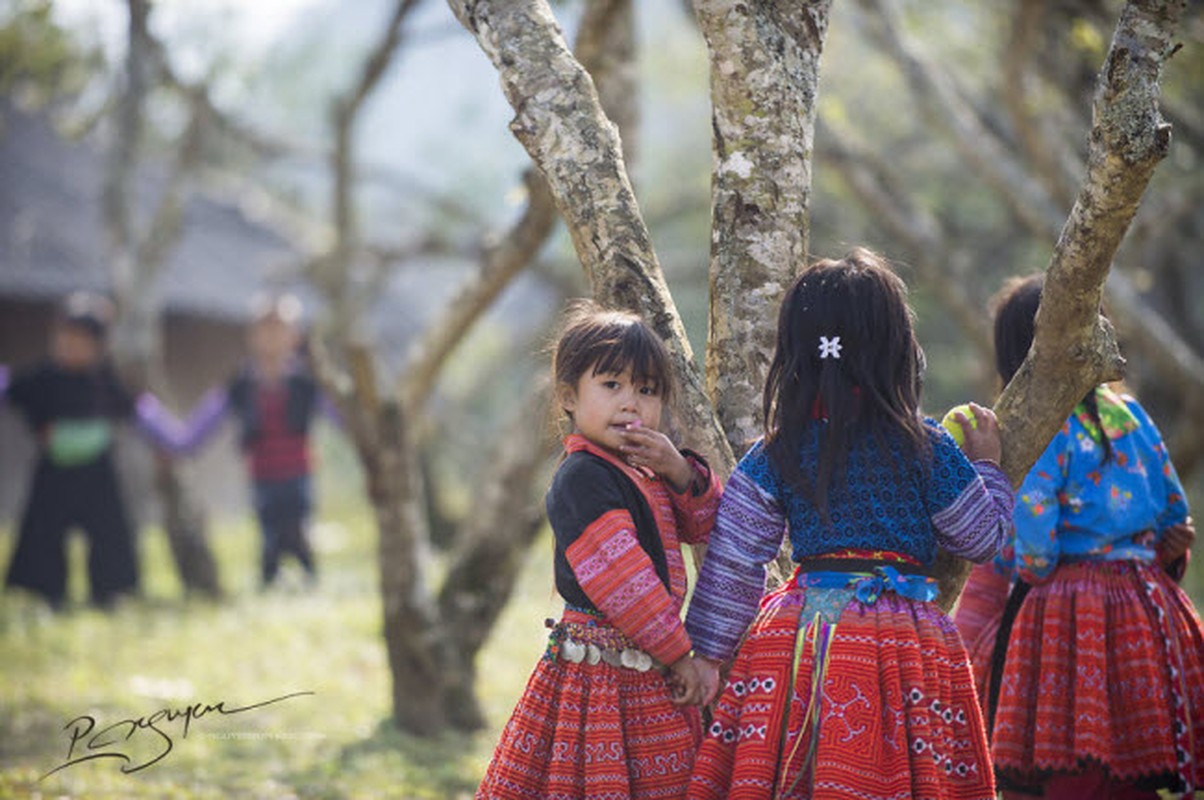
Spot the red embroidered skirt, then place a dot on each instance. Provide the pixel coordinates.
(977, 618)
(594, 731)
(1105, 664)
(898, 715)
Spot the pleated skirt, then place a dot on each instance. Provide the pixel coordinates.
(594, 731)
(883, 707)
(977, 618)
(1105, 666)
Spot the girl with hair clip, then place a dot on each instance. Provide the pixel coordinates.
(1095, 679)
(851, 682)
(608, 711)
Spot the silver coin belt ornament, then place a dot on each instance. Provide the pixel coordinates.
(593, 644)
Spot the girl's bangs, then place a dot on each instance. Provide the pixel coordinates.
(631, 348)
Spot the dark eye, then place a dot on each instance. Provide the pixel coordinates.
(610, 384)
(649, 391)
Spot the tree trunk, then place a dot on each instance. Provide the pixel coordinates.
(413, 638)
(764, 84)
(138, 255)
(185, 524)
(487, 561)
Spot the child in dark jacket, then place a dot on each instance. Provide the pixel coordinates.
(73, 402)
(274, 399)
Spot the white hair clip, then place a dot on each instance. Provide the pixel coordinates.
(829, 347)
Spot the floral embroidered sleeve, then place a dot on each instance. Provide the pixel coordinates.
(591, 521)
(1038, 512)
(748, 532)
(1175, 510)
(695, 508)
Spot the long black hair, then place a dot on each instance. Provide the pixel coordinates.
(1015, 308)
(854, 311)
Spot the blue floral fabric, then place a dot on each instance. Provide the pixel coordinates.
(1072, 506)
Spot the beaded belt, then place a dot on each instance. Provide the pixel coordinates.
(579, 639)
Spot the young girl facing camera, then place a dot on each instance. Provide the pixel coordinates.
(608, 711)
(851, 681)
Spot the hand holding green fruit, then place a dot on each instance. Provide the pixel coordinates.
(975, 430)
(956, 419)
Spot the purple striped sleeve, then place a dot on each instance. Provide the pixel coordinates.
(748, 532)
(976, 524)
(166, 433)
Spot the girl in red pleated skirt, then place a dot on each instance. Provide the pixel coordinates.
(1095, 683)
(851, 682)
(609, 711)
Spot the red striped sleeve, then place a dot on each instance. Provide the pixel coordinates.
(694, 509)
(620, 579)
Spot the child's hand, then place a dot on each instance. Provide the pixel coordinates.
(686, 682)
(708, 671)
(982, 439)
(647, 447)
(1176, 540)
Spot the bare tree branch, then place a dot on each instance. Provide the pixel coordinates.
(1020, 190)
(974, 142)
(345, 112)
(499, 264)
(1055, 166)
(605, 46)
(1128, 140)
(570, 139)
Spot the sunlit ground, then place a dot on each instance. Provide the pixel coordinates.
(165, 652)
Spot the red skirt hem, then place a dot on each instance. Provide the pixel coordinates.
(1105, 665)
(593, 731)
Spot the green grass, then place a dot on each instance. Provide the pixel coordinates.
(166, 652)
(162, 651)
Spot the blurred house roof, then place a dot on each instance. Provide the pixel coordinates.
(53, 241)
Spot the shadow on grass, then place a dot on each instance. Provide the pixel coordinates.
(391, 763)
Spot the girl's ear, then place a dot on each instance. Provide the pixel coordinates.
(566, 395)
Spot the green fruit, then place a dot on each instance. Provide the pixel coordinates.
(954, 426)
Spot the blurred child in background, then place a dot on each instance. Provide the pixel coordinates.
(274, 399)
(73, 402)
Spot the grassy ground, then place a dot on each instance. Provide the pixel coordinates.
(164, 652)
